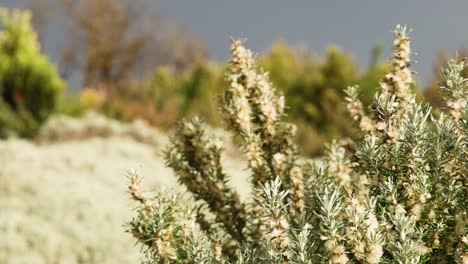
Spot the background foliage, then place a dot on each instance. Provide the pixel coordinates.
(29, 84)
(313, 86)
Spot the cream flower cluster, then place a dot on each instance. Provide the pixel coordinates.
(396, 195)
(253, 109)
(169, 231)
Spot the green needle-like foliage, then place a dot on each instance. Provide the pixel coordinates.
(398, 194)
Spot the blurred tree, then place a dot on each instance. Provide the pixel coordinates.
(29, 85)
(112, 42)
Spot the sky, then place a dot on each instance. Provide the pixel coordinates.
(356, 26)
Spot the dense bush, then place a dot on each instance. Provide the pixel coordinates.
(397, 195)
(29, 85)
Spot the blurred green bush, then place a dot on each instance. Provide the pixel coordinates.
(314, 88)
(30, 86)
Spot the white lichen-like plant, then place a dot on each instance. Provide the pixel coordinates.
(397, 195)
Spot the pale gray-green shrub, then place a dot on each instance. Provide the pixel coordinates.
(398, 195)
(65, 201)
(61, 128)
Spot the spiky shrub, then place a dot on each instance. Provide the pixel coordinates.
(29, 84)
(398, 195)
